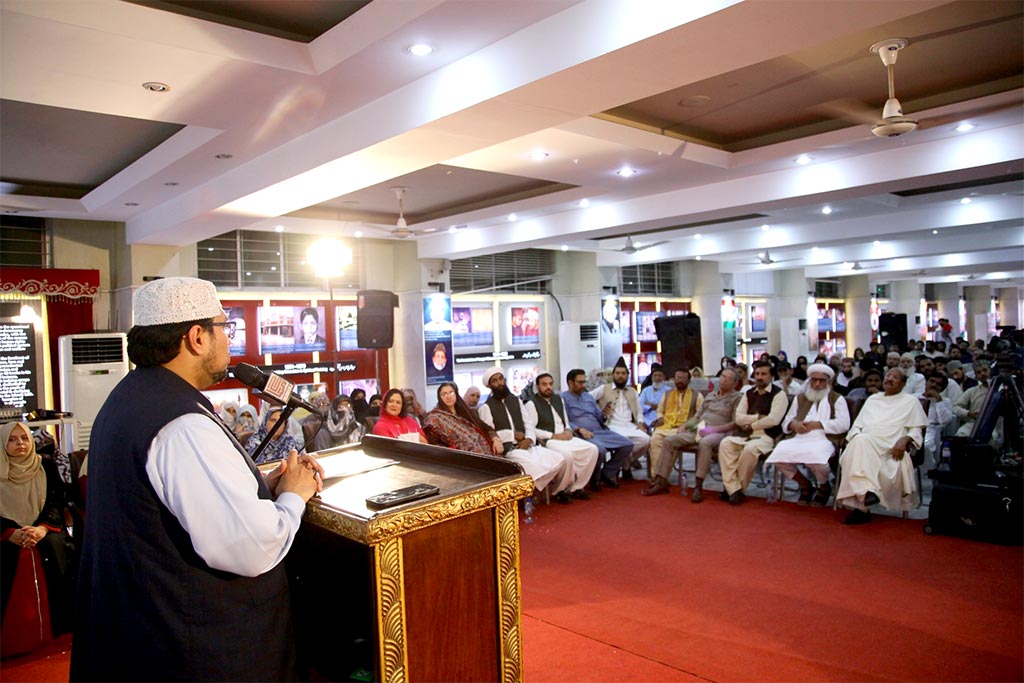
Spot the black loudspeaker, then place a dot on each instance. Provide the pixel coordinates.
(680, 342)
(893, 328)
(375, 318)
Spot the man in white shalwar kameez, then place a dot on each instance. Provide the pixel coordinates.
(815, 417)
(873, 466)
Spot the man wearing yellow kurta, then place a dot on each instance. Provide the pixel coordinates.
(674, 410)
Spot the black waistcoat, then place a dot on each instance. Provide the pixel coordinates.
(761, 404)
(149, 608)
(500, 417)
(545, 414)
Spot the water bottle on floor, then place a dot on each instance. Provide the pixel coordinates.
(528, 510)
(682, 483)
(769, 493)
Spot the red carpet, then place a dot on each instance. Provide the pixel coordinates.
(625, 588)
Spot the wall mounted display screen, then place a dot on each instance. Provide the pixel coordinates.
(472, 326)
(625, 319)
(524, 326)
(645, 331)
(757, 318)
(291, 329)
(236, 314)
(20, 373)
(347, 328)
(367, 385)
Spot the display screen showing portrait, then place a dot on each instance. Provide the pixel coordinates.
(645, 330)
(236, 314)
(437, 317)
(472, 326)
(291, 329)
(367, 385)
(524, 324)
(438, 359)
(347, 317)
(757, 318)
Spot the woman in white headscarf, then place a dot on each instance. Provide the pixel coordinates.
(32, 502)
(229, 413)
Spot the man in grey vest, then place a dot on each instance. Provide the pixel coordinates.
(620, 405)
(181, 576)
(817, 419)
(546, 413)
(758, 417)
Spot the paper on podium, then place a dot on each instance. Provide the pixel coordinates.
(345, 464)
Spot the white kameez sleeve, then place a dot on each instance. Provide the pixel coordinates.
(840, 424)
(207, 485)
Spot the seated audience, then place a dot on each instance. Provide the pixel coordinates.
(32, 502)
(472, 398)
(394, 423)
(650, 397)
(313, 423)
(620, 406)
(545, 412)
(940, 414)
(698, 382)
(969, 405)
(374, 409)
(583, 413)
(800, 369)
(412, 405)
(340, 426)
(453, 424)
(359, 404)
(873, 468)
(712, 422)
(785, 381)
(816, 419)
(279, 446)
(229, 413)
(892, 359)
(676, 408)
(872, 385)
(246, 423)
(743, 384)
(758, 417)
(504, 413)
(915, 381)
(847, 373)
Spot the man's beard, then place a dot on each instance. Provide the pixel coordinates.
(847, 373)
(213, 373)
(619, 386)
(656, 385)
(500, 393)
(815, 395)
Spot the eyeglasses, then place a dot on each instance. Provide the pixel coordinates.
(229, 328)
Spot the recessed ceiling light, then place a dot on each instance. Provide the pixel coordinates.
(565, 247)
(278, 228)
(539, 155)
(760, 254)
(698, 258)
(846, 264)
(156, 86)
(766, 227)
(935, 232)
(815, 248)
(964, 127)
(876, 242)
(420, 50)
(965, 200)
(694, 101)
(804, 159)
(453, 228)
(584, 203)
(358, 234)
(429, 229)
(698, 236)
(626, 172)
(511, 218)
(223, 156)
(826, 210)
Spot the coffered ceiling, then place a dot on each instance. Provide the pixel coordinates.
(514, 131)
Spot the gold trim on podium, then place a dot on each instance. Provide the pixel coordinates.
(386, 525)
(506, 520)
(394, 661)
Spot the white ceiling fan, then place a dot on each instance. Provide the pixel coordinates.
(857, 265)
(631, 248)
(401, 229)
(765, 259)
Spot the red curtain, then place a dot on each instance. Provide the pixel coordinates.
(68, 295)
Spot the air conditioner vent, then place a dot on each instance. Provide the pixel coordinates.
(589, 332)
(97, 350)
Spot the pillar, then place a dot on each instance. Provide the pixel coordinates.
(789, 304)
(979, 303)
(1010, 306)
(905, 297)
(857, 290)
(703, 283)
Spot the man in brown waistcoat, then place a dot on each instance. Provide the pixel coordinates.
(758, 417)
(817, 418)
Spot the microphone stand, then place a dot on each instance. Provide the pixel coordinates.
(281, 422)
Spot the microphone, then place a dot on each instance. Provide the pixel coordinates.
(273, 387)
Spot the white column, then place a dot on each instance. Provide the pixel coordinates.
(979, 302)
(857, 289)
(705, 282)
(789, 303)
(1010, 305)
(905, 297)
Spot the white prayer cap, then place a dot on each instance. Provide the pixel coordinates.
(491, 372)
(822, 368)
(175, 300)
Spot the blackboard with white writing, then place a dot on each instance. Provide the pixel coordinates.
(19, 391)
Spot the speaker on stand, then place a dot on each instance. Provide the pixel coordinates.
(893, 330)
(375, 323)
(680, 341)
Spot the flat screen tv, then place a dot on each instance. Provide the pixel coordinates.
(472, 326)
(291, 329)
(645, 331)
(524, 325)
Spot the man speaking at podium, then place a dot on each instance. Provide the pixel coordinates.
(181, 575)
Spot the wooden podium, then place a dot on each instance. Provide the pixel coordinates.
(426, 591)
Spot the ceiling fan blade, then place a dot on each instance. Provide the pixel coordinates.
(933, 121)
(652, 244)
(851, 110)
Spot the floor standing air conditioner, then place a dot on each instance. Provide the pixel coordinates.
(90, 367)
(579, 346)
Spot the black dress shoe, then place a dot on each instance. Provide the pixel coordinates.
(822, 496)
(579, 495)
(595, 486)
(858, 517)
(737, 498)
(627, 475)
(870, 498)
(724, 496)
(805, 497)
(609, 482)
(562, 497)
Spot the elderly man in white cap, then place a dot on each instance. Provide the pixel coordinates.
(817, 418)
(181, 575)
(915, 380)
(504, 413)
